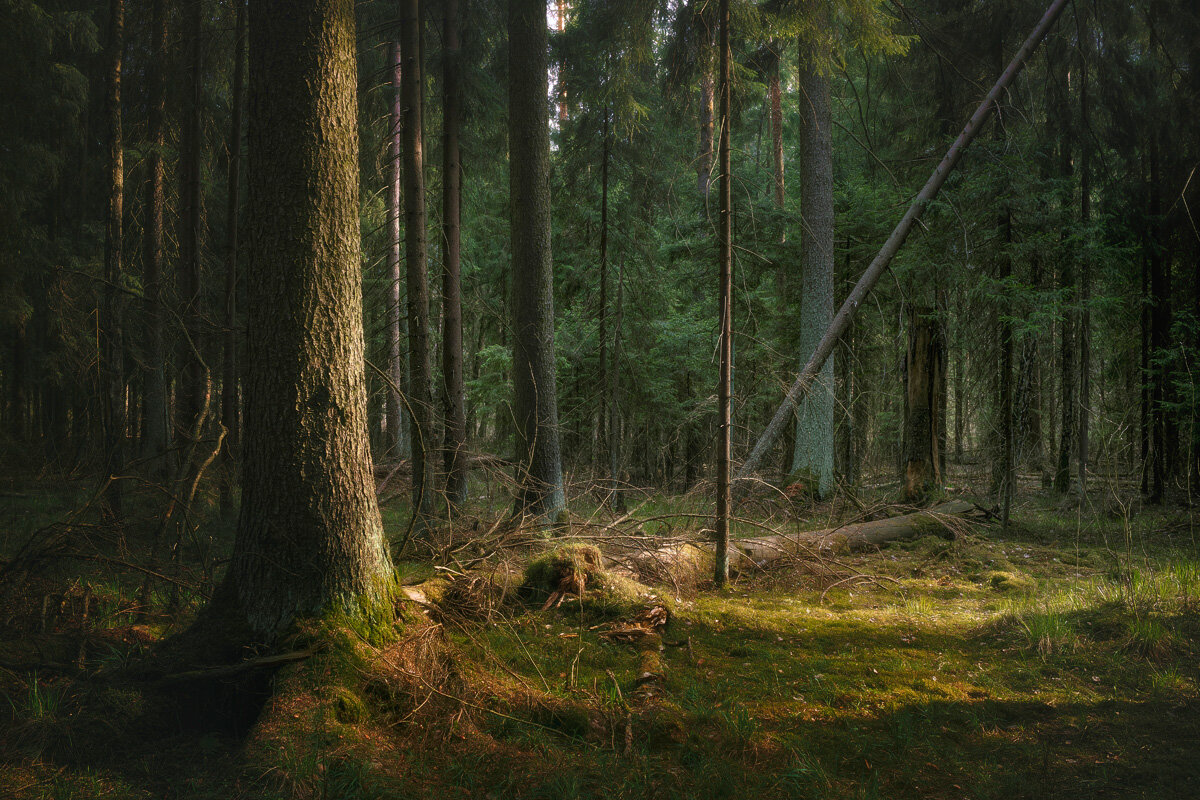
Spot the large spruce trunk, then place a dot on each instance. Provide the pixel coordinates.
(309, 534)
(812, 458)
(925, 364)
(535, 397)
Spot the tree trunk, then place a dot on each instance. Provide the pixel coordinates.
(229, 379)
(725, 314)
(776, 98)
(1085, 271)
(614, 400)
(454, 445)
(812, 459)
(925, 364)
(191, 396)
(603, 315)
(398, 444)
(420, 382)
(1067, 365)
(309, 536)
(704, 155)
(157, 427)
(1007, 472)
(112, 349)
(535, 397)
(1160, 337)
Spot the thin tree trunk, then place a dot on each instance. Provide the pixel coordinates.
(1085, 272)
(398, 443)
(776, 97)
(1008, 472)
(603, 315)
(1160, 328)
(880, 263)
(1067, 365)
(420, 386)
(614, 405)
(229, 380)
(454, 445)
(112, 348)
(725, 314)
(705, 152)
(535, 394)
(157, 427)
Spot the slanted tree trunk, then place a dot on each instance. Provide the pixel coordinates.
(535, 398)
(398, 444)
(925, 366)
(309, 536)
(812, 459)
(229, 375)
(454, 456)
(112, 348)
(157, 411)
(420, 382)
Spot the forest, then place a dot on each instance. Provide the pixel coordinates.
(599, 398)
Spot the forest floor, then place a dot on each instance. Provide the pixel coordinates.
(1059, 660)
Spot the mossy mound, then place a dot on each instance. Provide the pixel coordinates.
(575, 570)
(1009, 581)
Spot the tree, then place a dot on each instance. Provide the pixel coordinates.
(535, 397)
(925, 373)
(454, 456)
(398, 445)
(724, 311)
(420, 370)
(813, 455)
(156, 435)
(229, 380)
(111, 325)
(309, 536)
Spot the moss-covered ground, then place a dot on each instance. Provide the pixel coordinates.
(1059, 660)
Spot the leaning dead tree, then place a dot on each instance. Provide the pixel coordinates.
(879, 265)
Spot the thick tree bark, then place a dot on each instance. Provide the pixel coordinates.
(398, 444)
(925, 363)
(157, 428)
(812, 459)
(535, 394)
(112, 347)
(309, 535)
(420, 371)
(229, 374)
(879, 264)
(454, 457)
(725, 313)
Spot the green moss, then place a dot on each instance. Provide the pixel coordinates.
(1009, 581)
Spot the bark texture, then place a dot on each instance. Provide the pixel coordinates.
(420, 370)
(925, 372)
(397, 372)
(725, 315)
(535, 397)
(309, 535)
(157, 413)
(454, 456)
(813, 455)
(112, 349)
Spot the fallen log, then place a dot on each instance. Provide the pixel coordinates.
(685, 565)
(762, 550)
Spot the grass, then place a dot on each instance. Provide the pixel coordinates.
(1073, 675)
